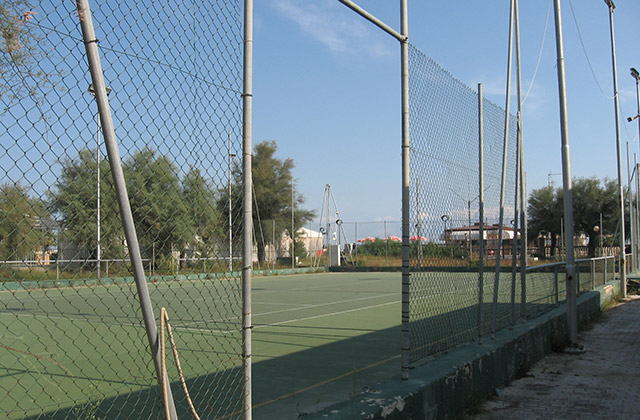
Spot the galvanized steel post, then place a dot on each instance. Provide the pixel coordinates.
(623, 270)
(403, 37)
(480, 210)
(496, 283)
(522, 187)
(404, 52)
(97, 78)
(247, 219)
(572, 315)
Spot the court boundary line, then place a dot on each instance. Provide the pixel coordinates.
(257, 326)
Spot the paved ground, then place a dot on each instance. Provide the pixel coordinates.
(600, 382)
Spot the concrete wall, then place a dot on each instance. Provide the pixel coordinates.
(446, 386)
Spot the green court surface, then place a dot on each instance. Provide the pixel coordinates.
(78, 352)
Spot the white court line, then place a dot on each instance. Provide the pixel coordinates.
(324, 315)
(309, 306)
(324, 304)
(123, 324)
(279, 304)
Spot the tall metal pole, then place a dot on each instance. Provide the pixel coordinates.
(572, 314)
(97, 78)
(496, 283)
(623, 271)
(293, 235)
(92, 91)
(419, 221)
(522, 187)
(403, 37)
(247, 220)
(469, 230)
(98, 196)
(406, 280)
(480, 209)
(636, 76)
(637, 205)
(631, 213)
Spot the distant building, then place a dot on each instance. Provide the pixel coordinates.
(468, 237)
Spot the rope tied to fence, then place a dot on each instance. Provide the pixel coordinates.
(164, 320)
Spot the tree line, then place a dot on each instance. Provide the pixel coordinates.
(188, 214)
(592, 199)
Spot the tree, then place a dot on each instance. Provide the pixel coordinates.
(20, 54)
(545, 213)
(206, 221)
(591, 198)
(74, 199)
(169, 214)
(159, 212)
(21, 221)
(272, 185)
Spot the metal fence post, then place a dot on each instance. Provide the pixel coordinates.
(480, 210)
(406, 279)
(556, 285)
(496, 283)
(572, 320)
(623, 272)
(247, 220)
(578, 277)
(97, 77)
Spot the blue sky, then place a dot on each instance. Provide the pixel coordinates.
(327, 88)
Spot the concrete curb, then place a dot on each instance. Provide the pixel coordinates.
(446, 386)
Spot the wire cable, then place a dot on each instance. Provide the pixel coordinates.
(544, 37)
(584, 49)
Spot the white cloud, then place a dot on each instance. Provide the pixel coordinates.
(331, 24)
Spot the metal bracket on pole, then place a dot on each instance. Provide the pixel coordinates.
(97, 78)
(402, 37)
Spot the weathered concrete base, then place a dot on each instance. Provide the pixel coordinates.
(443, 388)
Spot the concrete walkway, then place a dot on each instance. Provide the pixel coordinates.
(602, 381)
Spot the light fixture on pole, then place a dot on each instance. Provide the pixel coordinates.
(445, 219)
(636, 76)
(92, 91)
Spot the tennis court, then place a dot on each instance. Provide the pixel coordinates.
(317, 339)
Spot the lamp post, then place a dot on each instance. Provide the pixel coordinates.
(92, 91)
(623, 270)
(444, 218)
(636, 76)
(468, 201)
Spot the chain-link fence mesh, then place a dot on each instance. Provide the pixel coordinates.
(444, 208)
(73, 340)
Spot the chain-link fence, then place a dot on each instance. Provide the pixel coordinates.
(445, 196)
(74, 344)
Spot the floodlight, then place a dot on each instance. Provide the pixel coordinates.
(635, 74)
